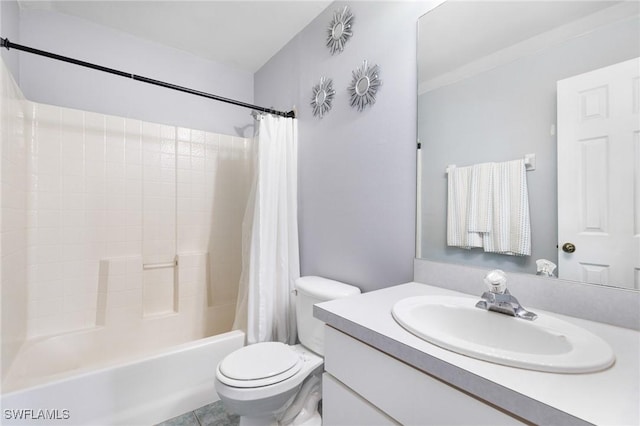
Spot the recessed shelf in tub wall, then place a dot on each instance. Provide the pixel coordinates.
(160, 288)
(130, 290)
(119, 290)
(160, 291)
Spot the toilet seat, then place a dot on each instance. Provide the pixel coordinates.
(261, 364)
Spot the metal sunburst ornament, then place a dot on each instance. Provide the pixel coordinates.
(322, 97)
(339, 30)
(364, 85)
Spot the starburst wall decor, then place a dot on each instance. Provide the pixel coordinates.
(322, 97)
(364, 85)
(339, 30)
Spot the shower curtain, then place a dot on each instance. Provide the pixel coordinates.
(270, 265)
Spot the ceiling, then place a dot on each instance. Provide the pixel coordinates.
(243, 34)
(457, 33)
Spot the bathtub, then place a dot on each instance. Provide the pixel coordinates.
(144, 391)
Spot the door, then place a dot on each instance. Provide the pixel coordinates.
(599, 176)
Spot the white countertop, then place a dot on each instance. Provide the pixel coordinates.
(609, 397)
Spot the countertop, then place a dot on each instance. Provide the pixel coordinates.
(609, 397)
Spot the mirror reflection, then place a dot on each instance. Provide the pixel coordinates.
(501, 80)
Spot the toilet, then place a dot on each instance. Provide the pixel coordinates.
(273, 383)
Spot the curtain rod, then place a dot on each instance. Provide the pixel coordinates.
(9, 45)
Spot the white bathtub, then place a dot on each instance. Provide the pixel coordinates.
(145, 391)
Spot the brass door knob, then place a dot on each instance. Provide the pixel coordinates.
(568, 248)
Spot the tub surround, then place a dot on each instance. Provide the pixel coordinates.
(607, 397)
(110, 259)
(14, 244)
(108, 197)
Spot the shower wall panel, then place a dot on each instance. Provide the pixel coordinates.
(106, 189)
(13, 193)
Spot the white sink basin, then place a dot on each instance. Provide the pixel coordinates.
(545, 344)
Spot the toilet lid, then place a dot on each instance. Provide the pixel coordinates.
(267, 363)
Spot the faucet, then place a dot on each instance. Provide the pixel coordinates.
(498, 298)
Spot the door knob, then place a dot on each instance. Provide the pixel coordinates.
(568, 248)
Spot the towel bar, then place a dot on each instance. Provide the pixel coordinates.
(529, 163)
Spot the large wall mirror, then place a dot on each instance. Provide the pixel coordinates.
(558, 79)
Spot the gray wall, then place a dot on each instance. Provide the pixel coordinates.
(52, 82)
(356, 169)
(501, 115)
(10, 28)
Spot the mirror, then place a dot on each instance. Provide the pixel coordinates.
(362, 86)
(322, 97)
(488, 91)
(336, 31)
(339, 30)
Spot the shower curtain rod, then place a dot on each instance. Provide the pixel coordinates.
(9, 45)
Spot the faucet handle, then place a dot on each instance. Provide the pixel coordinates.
(496, 281)
(498, 298)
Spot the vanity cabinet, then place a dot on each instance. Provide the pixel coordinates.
(363, 385)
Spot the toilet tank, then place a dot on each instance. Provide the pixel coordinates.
(312, 290)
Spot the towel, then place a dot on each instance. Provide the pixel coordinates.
(488, 207)
(458, 190)
(510, 228)
(480, 198)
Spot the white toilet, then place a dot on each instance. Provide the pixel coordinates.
(273, 383)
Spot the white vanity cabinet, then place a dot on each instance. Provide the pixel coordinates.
(364, 386)
(378, 373)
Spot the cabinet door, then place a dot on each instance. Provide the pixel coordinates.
(402, 392)
(343, 407)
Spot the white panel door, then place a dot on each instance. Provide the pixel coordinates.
(599, 175)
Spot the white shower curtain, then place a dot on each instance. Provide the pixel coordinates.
(270, 265)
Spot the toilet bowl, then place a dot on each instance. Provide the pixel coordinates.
(274, 383)
(270, 391)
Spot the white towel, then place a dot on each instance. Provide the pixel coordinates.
(458, 190)
(480, 198)
(510, 229)
(488, 206)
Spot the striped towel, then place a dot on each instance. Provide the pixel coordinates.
(458, 190)
(511, 228)
(480, 198)
(488, 206)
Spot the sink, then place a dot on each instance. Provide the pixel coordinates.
(545, 344)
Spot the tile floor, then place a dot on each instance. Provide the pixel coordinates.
(209, 415)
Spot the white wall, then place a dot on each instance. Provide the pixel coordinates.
(47, 81)
(357, 174)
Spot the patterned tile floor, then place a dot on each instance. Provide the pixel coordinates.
(210, 415)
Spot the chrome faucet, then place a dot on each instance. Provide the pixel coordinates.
(498, 298)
